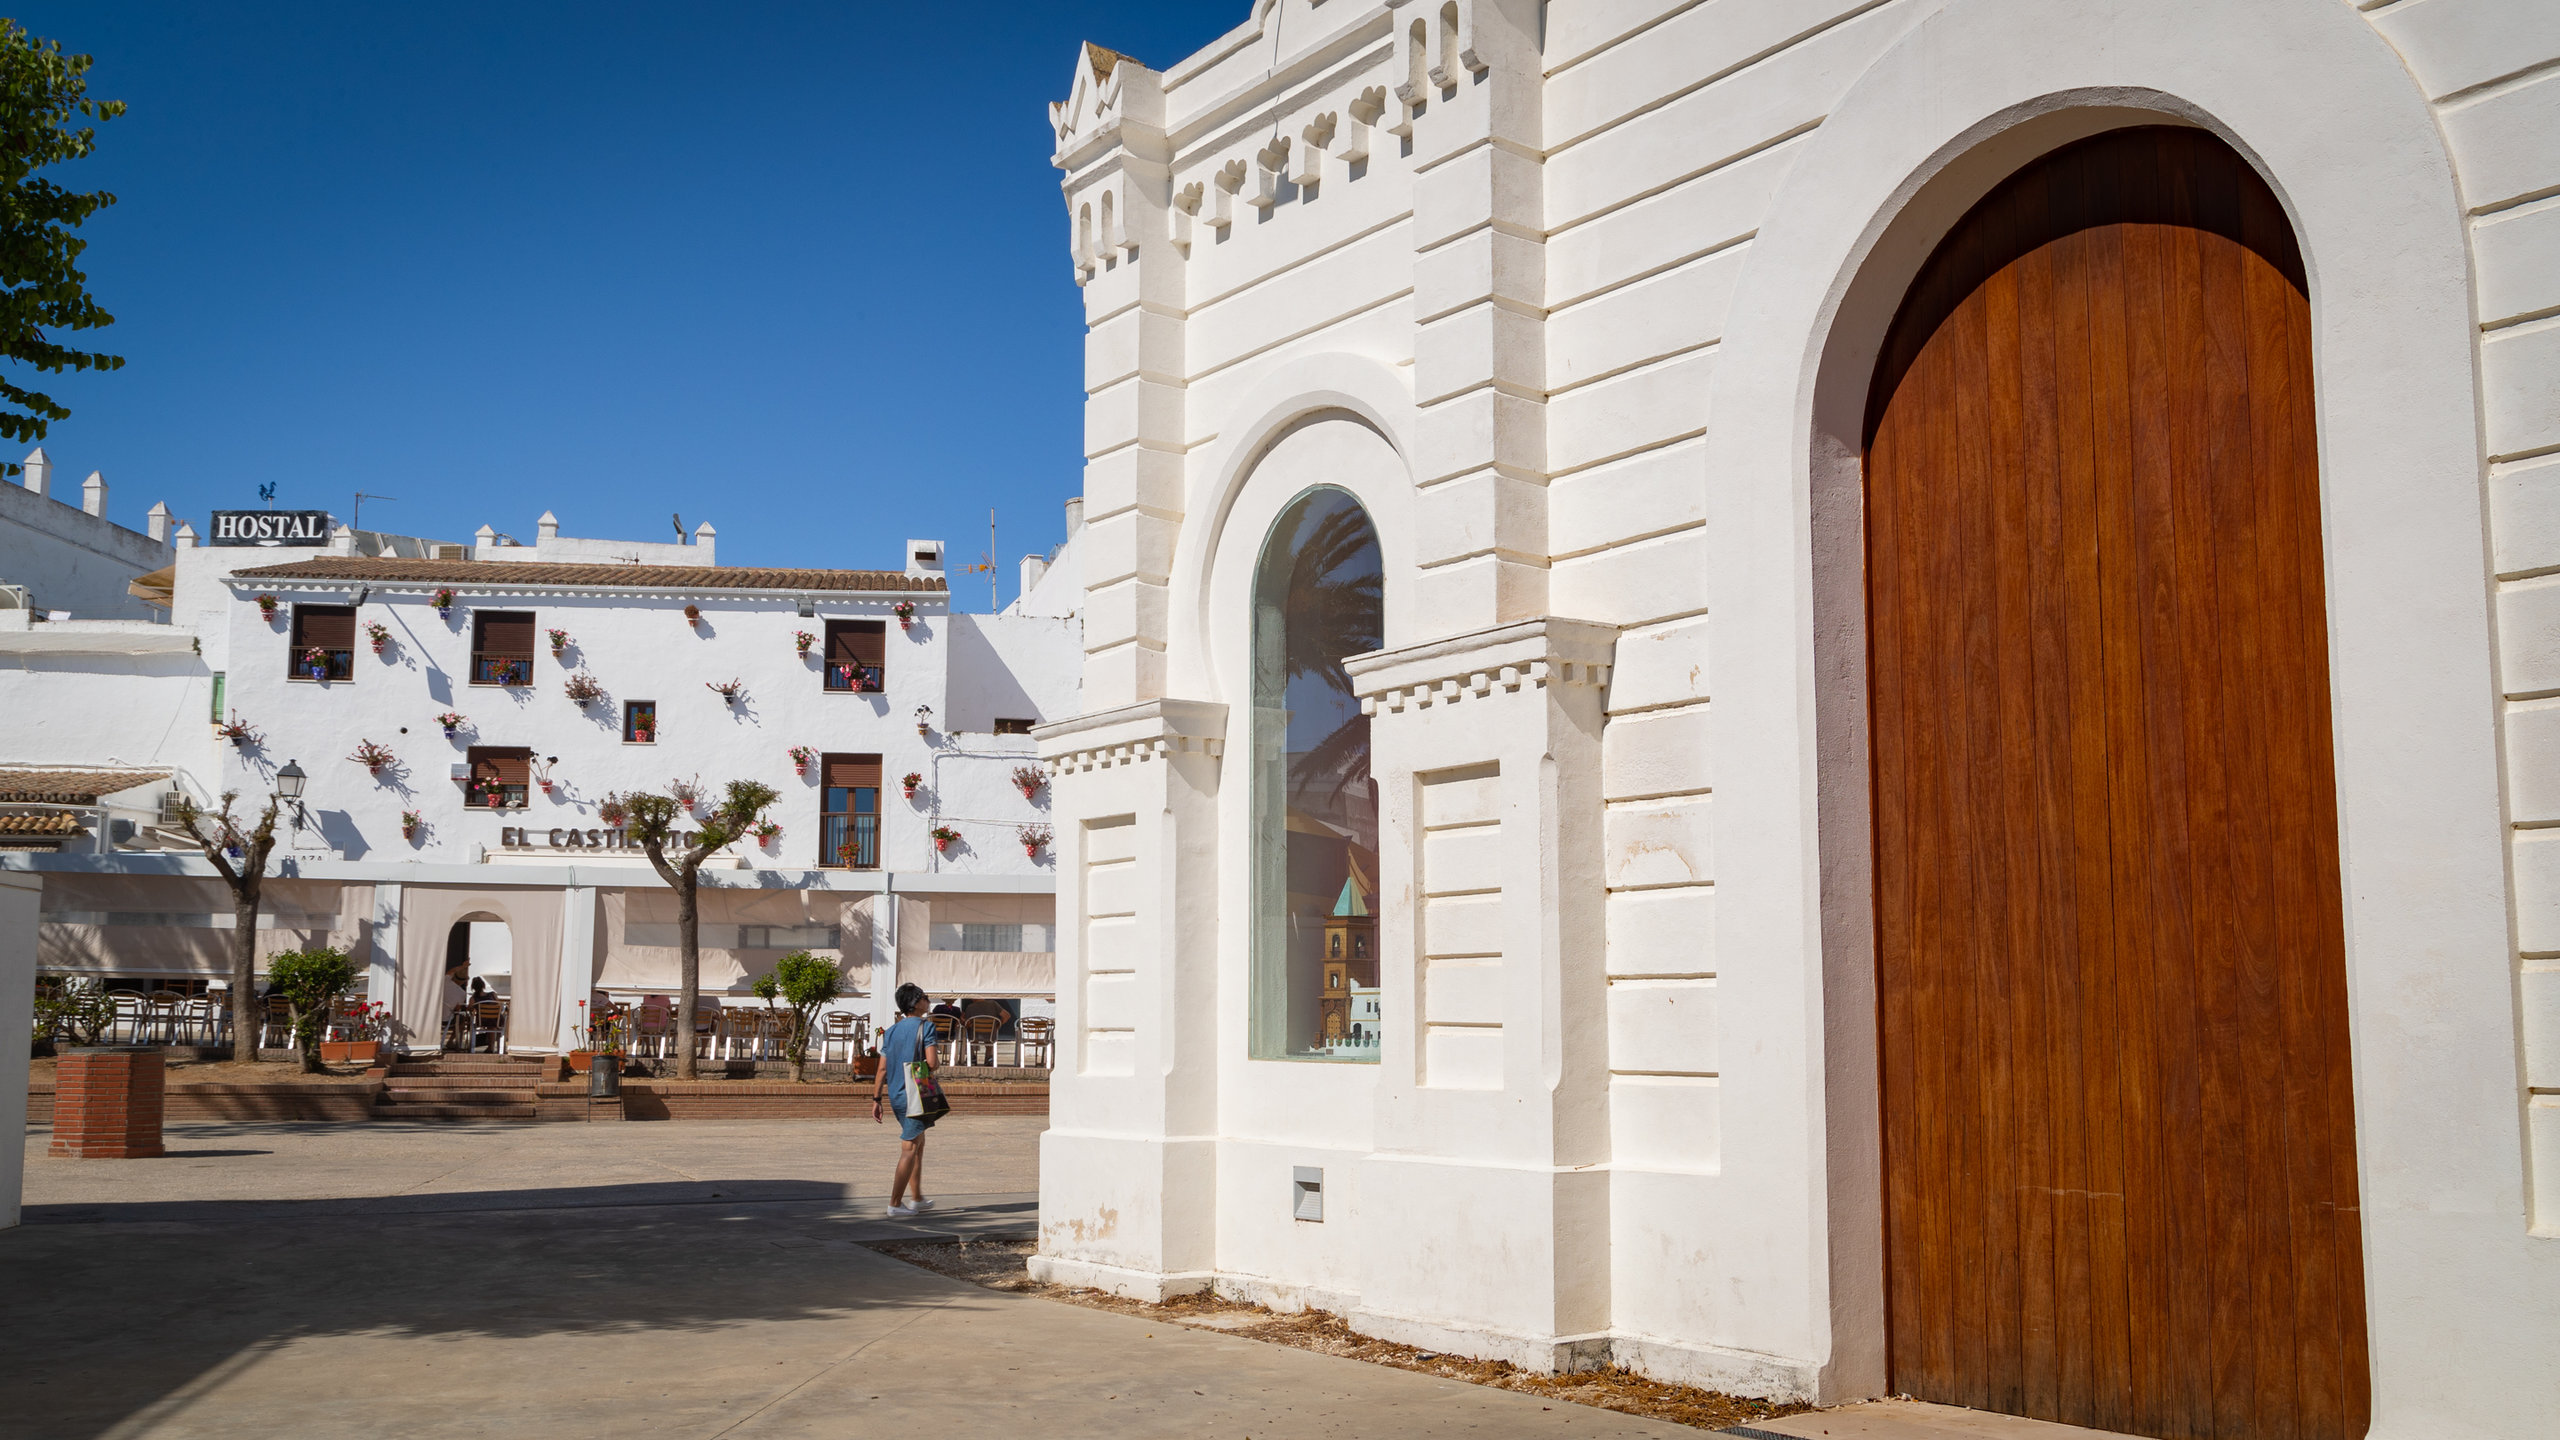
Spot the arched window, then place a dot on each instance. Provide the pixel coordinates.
(1316, 600)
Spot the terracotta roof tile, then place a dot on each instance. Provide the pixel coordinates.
(499, 574)
(70, 787)
(59, 822)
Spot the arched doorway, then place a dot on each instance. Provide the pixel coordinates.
(2118, 1126)
(478, 948)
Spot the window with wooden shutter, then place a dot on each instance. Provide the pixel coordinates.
(324, 643)
(502, 647)
(500, 777)
(857, 653)
(849, 812)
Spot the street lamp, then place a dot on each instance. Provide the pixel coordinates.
(289, 783)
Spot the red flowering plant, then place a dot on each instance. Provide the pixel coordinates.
(379, 634)
(802, 640)
(559, 640)
(766, 833)
(905, 610)
(267, 606)
(910, 781)
(411, 822)
(362, 1020)
(1028, 779)
(1035, 838)
(442, 600)
(612, 811)
(374, 756)
(944, 837)
(802, 757)
(241, 733)
(452, 720)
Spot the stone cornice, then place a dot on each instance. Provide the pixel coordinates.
(1133, 734)
(1549, 651)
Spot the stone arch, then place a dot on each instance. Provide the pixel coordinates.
(2322, 108)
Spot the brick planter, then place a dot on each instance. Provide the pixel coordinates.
(107, 1103)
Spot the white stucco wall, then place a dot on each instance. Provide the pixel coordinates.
(1604, 300)
(68, 560)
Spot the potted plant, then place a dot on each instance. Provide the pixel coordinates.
(584, 689)
(693, 615)
(452, 720)
(944, 837)
(766, 833)
(905, 610)
(802, 757)
(380, 634)
(910, 781)
(687, 793)
(612, 811)
(1028, 779)
(267, 606)
(1035, 838)
(729, 690)
(310, 980)
(241, 733)
(442, 600)
(359, 1032)
(559, 640)
(315, 662)
(806, 984)
(411, 822)
(802, 640)
(374, 757)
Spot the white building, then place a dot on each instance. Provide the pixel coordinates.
(67, 560)
(575, 671)
(1649, 490)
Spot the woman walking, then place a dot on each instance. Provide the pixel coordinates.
(909, 1040)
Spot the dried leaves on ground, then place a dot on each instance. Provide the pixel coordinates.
(999, 1265)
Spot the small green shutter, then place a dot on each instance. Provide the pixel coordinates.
(217, 697)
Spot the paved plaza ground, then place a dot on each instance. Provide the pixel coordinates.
(682, 1280)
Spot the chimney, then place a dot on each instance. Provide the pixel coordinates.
(156, 524)
(1033, 567)
(1075, 516)
(705, 538)
(93, 494)
(924, 557)
(342, 541)
(40, 471)
(186, 537)
(547, 528)
(484, 538)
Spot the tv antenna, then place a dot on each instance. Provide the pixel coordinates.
(356, 521)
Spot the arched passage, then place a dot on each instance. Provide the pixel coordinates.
(2120, 1182)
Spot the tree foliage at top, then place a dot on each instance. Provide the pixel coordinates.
(44, 100)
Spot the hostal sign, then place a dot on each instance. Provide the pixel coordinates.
(270, 527)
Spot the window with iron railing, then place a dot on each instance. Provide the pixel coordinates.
(324, 643)
(500, 777)
(856, 656)
(849, 813)
(502, 647)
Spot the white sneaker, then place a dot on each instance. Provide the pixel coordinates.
(920, 1203)
(902, 1212)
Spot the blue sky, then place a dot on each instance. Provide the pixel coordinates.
(798, 270)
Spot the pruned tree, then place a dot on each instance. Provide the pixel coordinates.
(806, 983)
(311, 981)
(44, 97)
(653, 821)
(217, 834)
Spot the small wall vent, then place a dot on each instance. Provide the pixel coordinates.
(1306, 1193)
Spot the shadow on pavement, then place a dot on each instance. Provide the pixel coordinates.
(146, 1306)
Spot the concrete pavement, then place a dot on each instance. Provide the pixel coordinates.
(705, 1280)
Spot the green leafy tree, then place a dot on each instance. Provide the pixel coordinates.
(44, 100)
(805, 982)
(218, 834)
(654, 822)
(310, 981)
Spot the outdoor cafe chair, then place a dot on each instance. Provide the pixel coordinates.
(196, 1020)
(1034, 1033)
(489, 1018)
(706, 1029)
(837, 1029)
(946, 1029)
(982, 1037)
(652, 1026)
(162, 1020)
(132, 1014)
(278, 1029)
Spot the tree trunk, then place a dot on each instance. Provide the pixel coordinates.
(306, 1040)
(248, 1014)
(689, 963)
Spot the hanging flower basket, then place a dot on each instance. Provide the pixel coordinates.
(374, 756)
(802, 757)
(801, 640)
(241, 733)
(583, 688)
(687, 793)
(910, 781)
(1035, 838)
(411, 822)
(905, 610)
(1028, 779)
(267, 606)
(612, 811)
(559, 641)
(452, 721)
(731, 690)
(766, 833)
(944, 837)
(379, 634)
(442, 600)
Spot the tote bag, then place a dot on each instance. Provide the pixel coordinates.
(924, 1093)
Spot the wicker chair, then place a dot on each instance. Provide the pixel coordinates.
(840, 1028)
(489, 1021)
(1036, 1033)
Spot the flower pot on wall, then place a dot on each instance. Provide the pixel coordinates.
(350, 1052)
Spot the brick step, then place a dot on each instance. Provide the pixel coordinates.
(399, 1096)
(522, 1111)
(468, 1077)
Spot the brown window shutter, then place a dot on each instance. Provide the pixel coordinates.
(857, 642)
(851, 771)
(502, 632)
(324, 627)
(502, 764)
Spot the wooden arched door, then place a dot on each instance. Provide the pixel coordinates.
(2119, 1138)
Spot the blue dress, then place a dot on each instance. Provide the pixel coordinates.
(906, 1041)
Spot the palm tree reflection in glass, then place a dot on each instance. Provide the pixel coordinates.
(1317, 600)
